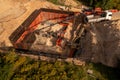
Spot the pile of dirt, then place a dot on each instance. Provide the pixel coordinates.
(102, 43)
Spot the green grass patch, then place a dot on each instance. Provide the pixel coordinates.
(57, 2)
(14, 67)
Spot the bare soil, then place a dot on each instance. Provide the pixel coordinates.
(101, 42)
(14, 12)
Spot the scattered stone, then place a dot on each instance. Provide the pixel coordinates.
(70, 60)
(89, 71)
(44, 58)
(78, 62)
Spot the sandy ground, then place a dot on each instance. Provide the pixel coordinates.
(101, 43)
(14, 12)
(116, 16)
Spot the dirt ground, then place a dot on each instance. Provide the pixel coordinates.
(101, 43)
(116, 16)
(14, 12)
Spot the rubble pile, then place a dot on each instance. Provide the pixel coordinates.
(102, 43)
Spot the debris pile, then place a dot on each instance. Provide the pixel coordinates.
(102, 43)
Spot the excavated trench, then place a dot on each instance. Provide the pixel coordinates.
(101, 44)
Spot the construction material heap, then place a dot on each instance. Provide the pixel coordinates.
(50, 31)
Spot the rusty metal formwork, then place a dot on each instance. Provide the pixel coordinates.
(44, 31)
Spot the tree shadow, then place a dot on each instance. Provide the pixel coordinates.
(108, 72)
